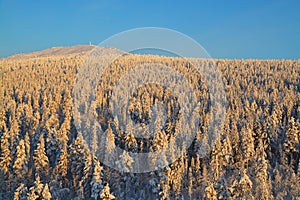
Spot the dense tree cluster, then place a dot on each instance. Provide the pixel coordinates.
(43, 156)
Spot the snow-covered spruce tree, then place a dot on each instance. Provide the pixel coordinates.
(31, 195)
(36, 190)
(216, 163)
(46, 195)
(110, 139)
(27, 145)
(62, 164)
(165, 185)
(21, 163)
(21, 192)
(105, 193)
(2, 120)
(5, 157)
(223, 189)
(96, 183)
(77, 160)
(247, 144)
(124, 162)
(40, 158)
(85, 190)
(38, 185)
(210, 192)
(261, 179)
(242, 186)
(130, 142)
(292, 142)
(14, 133)
(52, 146)
(278, 188)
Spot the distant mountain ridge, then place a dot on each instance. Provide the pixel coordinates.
(78, 49)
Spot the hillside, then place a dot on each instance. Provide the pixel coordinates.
(43, 155)
(54, 51)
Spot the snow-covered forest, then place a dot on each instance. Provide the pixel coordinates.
(43, 156)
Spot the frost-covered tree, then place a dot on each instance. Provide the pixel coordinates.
(77, 160)
(35, 192)
(110, 139)
(96, 184)
(46, 195)
(105, 193)
(247, 144)
(292, 142)
(40, 158)
(124, 162)
(27, 145)
(262, 179)
(5, 157)
(31, 195)
(210, 192)
(21, 192)
(62, 164)
(21, 163)
(242, 186)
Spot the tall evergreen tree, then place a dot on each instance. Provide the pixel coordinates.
(40, 158)
(21, 163)
(5, 157)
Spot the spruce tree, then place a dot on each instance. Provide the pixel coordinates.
(40, 158)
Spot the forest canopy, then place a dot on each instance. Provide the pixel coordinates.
(43, 156)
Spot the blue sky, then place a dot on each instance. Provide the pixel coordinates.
(226, 29)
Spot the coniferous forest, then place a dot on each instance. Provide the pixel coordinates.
(44, 156)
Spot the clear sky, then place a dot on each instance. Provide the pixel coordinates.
(259, 29)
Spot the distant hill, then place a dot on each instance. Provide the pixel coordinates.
(78, 49)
